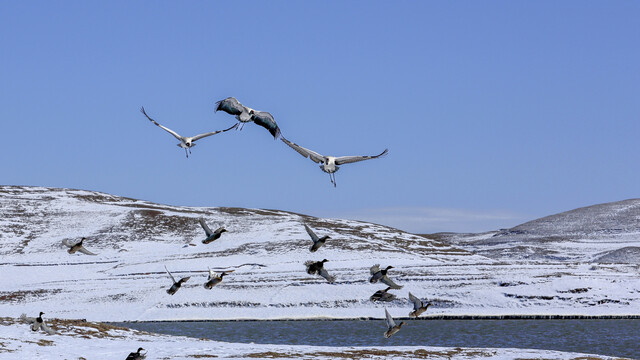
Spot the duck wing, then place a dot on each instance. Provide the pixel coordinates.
(374, 269)
(220, 230)
(47, 329)
(67, 243)
(325, 274)
(313, 235)
(206, 228)
(171, 276)
(385, 279)
(417, 304)
(83, 250)
(389, 319)
(27, 319)
(351, 159)
(314, 156)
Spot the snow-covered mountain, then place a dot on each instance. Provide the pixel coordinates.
(136, 239)
(603, 233)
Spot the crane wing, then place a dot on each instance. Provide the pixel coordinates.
(175, 134)
(200, 136)
(314, 156)
(351, 159)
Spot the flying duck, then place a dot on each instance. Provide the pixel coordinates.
(381, 275)
(382, 295)
(392, 328)
(317, 242)
(176, 284)
(77, 247)
(215, 278)
(211, 235)
(137, 355)
(317, 267)
(246, 114)
(37, 323)
(329, 164)
(418, 306)
(186, 142)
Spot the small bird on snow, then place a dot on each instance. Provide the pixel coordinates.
(137, 355)
(37, 323)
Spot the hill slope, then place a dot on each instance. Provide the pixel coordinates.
(267, 249)
(599, 233)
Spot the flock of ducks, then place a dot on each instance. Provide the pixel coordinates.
(214, 278)
(244, 114)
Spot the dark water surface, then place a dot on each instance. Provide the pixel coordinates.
(593, 336)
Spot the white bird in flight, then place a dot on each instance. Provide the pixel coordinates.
(186, 142)
(330, 164)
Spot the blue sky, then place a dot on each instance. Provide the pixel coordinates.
(494, 112)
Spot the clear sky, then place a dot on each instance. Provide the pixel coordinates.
(494, 112)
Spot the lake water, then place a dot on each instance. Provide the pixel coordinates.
(593, 336)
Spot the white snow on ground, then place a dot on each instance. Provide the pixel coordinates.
(80, 340)
(136, 239)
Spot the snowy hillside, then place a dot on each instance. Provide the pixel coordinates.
(607, 233)
(266, 249)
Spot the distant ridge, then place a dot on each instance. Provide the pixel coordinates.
(607, 233)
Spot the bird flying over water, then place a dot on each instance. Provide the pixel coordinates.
(392, 328)
(418, 306)
(317, 242)
(330, 164)
(246, 114)
(211, 235)
(176, 284)
(185, 142)
(73, 248)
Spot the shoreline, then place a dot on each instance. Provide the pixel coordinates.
(426, 318)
